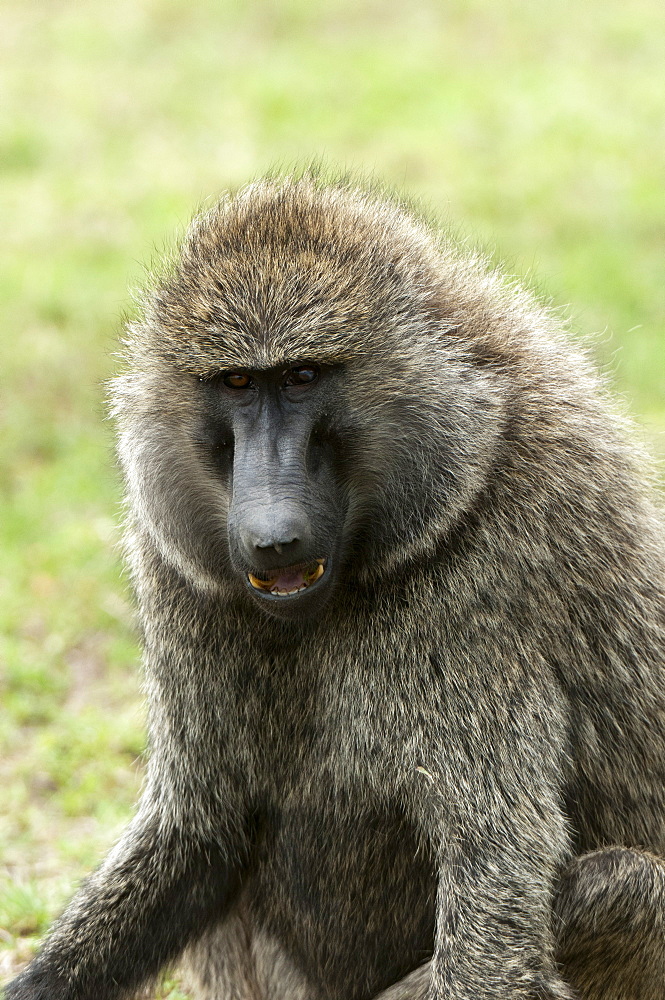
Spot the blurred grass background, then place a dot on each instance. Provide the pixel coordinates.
(537, 129)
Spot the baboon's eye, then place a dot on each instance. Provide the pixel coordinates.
(237, 380)
(302, 375)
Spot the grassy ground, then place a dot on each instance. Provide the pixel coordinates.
(538, 129)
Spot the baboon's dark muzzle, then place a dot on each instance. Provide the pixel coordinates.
(269, 519)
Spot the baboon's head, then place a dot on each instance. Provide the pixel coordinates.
(302, 407)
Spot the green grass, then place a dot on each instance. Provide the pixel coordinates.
(537, 129)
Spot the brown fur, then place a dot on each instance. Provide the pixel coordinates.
(395, 797)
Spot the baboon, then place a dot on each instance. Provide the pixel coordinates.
(400, 577)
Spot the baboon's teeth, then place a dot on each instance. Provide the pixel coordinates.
(312, 577)
(290, 580)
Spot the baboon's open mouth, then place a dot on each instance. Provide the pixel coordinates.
(289, 580)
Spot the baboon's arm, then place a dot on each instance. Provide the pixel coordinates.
(155, 891)
(610, 914)
(491, 811)
(497, 952)
(493, 935)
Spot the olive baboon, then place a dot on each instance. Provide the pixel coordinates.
(400, 578)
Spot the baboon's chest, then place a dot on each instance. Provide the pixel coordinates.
(349, 892)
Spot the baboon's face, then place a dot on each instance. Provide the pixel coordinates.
(305, 411)
(271, 439)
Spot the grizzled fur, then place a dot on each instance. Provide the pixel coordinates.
(449, 782)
